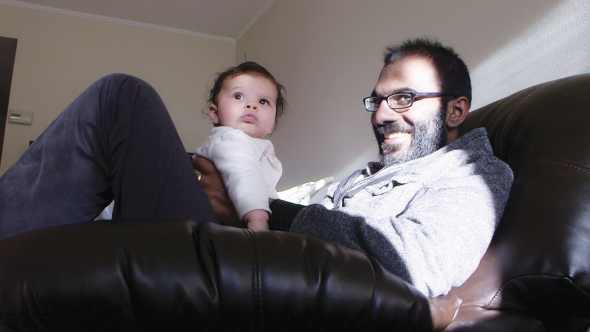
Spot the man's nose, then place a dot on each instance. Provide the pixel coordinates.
(384, 113)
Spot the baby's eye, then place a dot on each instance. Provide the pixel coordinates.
(238, 96)
(264, 102)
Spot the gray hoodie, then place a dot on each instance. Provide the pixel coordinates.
(429, 220)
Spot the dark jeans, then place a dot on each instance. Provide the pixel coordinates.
(115, 141)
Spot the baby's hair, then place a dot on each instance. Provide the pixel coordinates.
(248, 67)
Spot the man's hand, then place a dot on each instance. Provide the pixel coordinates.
(211, 182)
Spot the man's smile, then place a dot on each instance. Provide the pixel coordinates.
(397, 138)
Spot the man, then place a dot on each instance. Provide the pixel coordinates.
(427, 211)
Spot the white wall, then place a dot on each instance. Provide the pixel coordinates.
(60, 53)
(328, 54)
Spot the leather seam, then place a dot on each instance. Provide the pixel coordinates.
(509, 281)
(126, 274)
(570, 165)
(256, 284)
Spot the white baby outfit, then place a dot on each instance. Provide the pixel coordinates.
(248, 165)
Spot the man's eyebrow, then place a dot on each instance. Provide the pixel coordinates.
(390, 92)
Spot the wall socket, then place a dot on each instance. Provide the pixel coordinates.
(18, 117)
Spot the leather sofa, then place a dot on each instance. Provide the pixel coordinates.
(535, 275)
(175, 275)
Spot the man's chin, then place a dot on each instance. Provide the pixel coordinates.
(394, 150)
(393, 157)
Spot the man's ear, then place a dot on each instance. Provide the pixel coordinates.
(457, 111)
(212, 114)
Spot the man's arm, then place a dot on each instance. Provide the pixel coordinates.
(435, 243)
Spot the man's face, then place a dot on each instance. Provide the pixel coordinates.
(419, 130)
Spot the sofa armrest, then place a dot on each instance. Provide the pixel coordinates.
(134, 276)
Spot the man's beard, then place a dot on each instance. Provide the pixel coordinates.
(427, 137)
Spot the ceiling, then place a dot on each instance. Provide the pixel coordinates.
(224, 18)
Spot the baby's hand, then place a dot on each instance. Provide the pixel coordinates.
(257, 220)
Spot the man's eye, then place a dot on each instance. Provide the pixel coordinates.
(238, 96)
(402, 99)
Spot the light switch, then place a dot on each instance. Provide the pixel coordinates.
(22, 118)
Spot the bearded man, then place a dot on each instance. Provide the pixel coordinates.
(428, 209)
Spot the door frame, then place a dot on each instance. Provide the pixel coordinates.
(7, 55)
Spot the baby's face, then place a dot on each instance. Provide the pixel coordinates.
(246, 102)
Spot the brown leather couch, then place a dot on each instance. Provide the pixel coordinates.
(180, 276)
(536, 274)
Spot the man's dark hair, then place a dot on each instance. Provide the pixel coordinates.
(248, 67)
(452, 71)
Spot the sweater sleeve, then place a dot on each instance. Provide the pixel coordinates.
(283, 214)
(435, 243)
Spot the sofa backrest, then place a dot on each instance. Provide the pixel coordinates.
(539, 261)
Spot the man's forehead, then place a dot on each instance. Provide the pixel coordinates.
(411, 72)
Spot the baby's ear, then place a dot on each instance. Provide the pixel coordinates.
(212, 114)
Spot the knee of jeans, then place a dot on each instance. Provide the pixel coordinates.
(126, 87)
(120, 78)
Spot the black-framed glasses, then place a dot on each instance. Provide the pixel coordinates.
(399, 101)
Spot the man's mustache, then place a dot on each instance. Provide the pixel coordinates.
(393, 127)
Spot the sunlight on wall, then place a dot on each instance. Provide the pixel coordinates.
(556, 46)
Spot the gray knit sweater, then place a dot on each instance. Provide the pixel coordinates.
(429, 220)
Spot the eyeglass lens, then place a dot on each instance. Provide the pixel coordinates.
(395, 101)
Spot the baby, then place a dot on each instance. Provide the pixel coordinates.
(244, 104)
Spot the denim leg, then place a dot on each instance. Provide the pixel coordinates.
(115, 141)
